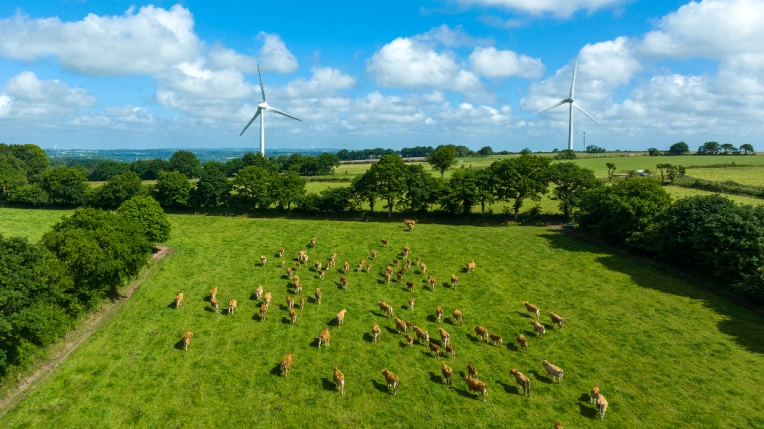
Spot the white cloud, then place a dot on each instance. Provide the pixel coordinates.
(274, 56)
(324, 81)
(146, 42)
(558, 8)
(125, 117)
(25, 95)
(491, 62)
(452, 38)
(220, 58)
(194, 79)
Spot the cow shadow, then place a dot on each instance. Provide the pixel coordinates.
(376, 313)
(513, 347)
(286, 321)
(435, 378)
(332, 322)
(283, 307)
(404, 307)
(328, 385)
(392, 330)
(209, 309)
(403, 344)
(463, 270)
(509, 389)
(311, 300)
(587, 411)
(179, 345)
(542, 378)
(257, 317)
(381, 282)
(584, 398)
(284, 277)
(368, 337)
(446, 285)
(432, 318)
(276, 370)
(382, 387)
(474, 338)
(466, 394)
(206, 298)
(449, 321)
(253, 297)
(314, 343)
(171, 305)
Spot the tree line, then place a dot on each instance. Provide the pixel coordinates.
(413, 152)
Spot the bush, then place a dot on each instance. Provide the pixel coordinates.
(565, 154)
(146, 212)
(118, 189)
(172, 189)
(186, 163)
(65, 185)
(29, 194)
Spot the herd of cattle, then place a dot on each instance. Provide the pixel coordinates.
(403, 326)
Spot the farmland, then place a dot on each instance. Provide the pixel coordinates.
(665, 352)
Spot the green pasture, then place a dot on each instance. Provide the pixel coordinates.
(752, 176)
(30, 223)
(665, 352)
(677, 192)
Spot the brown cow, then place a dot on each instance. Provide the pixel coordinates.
(522, 381)
(297, 265)
(411, 286)
(384, 243)
(318, 296)
(445, 337)
(286, 364)
(391, 380)
(601, 405)
(477, 386)
(178, 300)
(374, 254)
(409, 340)
(281, 252)
(283, 263)
(385, 308)
(522, 342)
(434, 348)
(472, 371)
(318, 265)
(458, 317)
(470, 266)
(313, 242)
(334, 257)
(231, 306)
(447, 372)
(405, 252)
(423, 267)
(258, 293)
(532, 309)
(496, 339)
(482, 333)
(323, 337)
(321, 274)
(439, 314)
(359, 268)
(290, 302)
(432, 281)
(187, 340)
(339, 380)
(411, 303)
(263, 260)
(302, 303)
(454, 281)
(215, 304)
(404, 270)
(557, 425)
(539, 328)
(555, 371)
(263, 312)
(450, 350)
(376, 332)
(421, 334)
(368, 268)
(400, 325)
(290, 273)
(344, 281)
(292, 315)
(399, 276)
(556, 320)
(408, 263)
(346, 266)
(594, 393)
(267, 300)
(387, 277)
(396, 262)
(214, 293)
(341, 317)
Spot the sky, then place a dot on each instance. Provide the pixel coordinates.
(164, 74)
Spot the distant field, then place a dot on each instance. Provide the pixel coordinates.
(31, 223)
(753, 176)
(676, 192)
(665, 352)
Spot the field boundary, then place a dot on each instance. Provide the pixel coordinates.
(89, 327)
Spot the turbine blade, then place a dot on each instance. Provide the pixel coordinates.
(251, 120)
(584, 112)
(282, 113)
(573, 84)
(558, 104)
(262, 89)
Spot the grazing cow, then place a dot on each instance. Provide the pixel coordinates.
(313, 242)
(422, 335)
(423, 267)
(522, 342)
(409, 325)
(187, 340)
(522, 381)
(602, 404)
(404, 270)
(432, 281)
(334, 257)
(359, 268)
(391, 380)
(411, 286)
(286, 364)
(296, 280)
(384, 243)
(470, 266)
(447, 372)
(594, 393)
(344, 281)
(408, 263)
(321, 274)
(539, 328)
(410, 224)
(263, 260)
(434, 348)
(496, 339)
(439, 314)
(298, 287)
(396, 262)
(290, 273)
(281, 252)
(300, 255)
(292, 315)
(385, 308)
(215, 304)
(341, 317)
(283, 263)
(346, 266)
(553, 370)
(400, 325)
(302, 303)
(532, 309)
(263, 312)
(411, 304)
(387, 277)
(482, 333)
(297, 265)
(258, 293)
(374, 254)
(445, 337)
(178, 300)
(399, 276)
(472, 371)
(556, 320)
(368, 268)
(267, 300)
(458, 317)
(290, 302)
(339, 380)
(323, 337)
(214, 293)
(557, 425)
(409, 340)
(318, 296)
(376, 332)
(405, 252)
(231, 306)
(454, 281)
(317, 265)
(450, 350)
(477, 386)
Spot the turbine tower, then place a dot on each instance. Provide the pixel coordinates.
(573, 104)
(261, 108)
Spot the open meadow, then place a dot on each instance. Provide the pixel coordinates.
(665, 352)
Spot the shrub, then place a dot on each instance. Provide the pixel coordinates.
(29, 194)
(118, 189)
(65, 185)
(148, 214)
(172, 189)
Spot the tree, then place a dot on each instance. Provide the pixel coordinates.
(334, 200)
(100, 251)
(118, 189)
(728, 148)
(460, 192)
(746, 148)
(148, 214)
(673, 171)
(521, 178)
(256, 159)
(34, 158)
(679, 148)
(571, 183)
(595, 149)
(653, 152)
(172, 189)
(65, 185)
(709, 148)
(290, 189)
(29, 194)
(390, 176)
(254, 187)
(623, 212)
(565, 154)
(326, 163)
(107, 169)
(443, 158)
(365, 188)
(149, 170)
(485, 151)
(213, 188)
(12, 173)
(421, 188)
(527, 151)
(186, 163)
(610, 170)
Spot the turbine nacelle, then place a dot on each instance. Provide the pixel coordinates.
(263, 105)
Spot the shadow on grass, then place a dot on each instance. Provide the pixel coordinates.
(206, 298)
(179, 345)
(311, 300)
(513, 347)
(328, 385)
(404, 344)
(431, 318)
(404, 307)
(435, 378)
(257, 317)
(382, 387)
(508, 388)
(589, 411)
(542, 378)
(286, 321)
(368, 337)
(474, 338)
(276, 370)
(743, 325)
(209, 309)
(171, 305)
(376, 313)
(392, 330)
(466, 394)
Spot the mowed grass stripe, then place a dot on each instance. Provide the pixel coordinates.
(665, 352)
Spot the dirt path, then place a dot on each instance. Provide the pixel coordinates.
(90, 326)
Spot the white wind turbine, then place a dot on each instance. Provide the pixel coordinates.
(261, 108)
(572, 103)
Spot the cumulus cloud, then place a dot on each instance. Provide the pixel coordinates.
(491, 62)
(558, 8)
(125, 117)
(452, 37)
(324, 81)
(146, 42)
(25, 95)
(274, 56)
(220, 58)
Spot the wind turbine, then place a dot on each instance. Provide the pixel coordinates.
(573, 104)
(261, 108)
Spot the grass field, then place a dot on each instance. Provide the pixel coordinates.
(30, 223)
(752, 176)
(677, 192)
(665, 352)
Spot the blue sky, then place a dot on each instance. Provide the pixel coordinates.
(102, 75)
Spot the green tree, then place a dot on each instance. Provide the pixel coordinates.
(256, 159)
(148, 214)
(565, 154)
(610, 170)
(326, 163)
(709, 148)
(571, 183)
(673, 171)
(149, 169)
(254, 187)
(521, 178)
(107, 169)
(65, 185)
(172, 189)
(527, 151)
(29, 194)
(34, 158)
(679, 148)
(365, 188)
(335, 200)
(460, 192)
(746, 148)
(12, 174)
(443, 158)
(390, 176)
(653, 152)
(289, 189)
(186, 163)
(213, 188)
(485, 151)
(118, 189)
(421, 188)
(728, 148)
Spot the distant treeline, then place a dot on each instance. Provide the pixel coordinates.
(412, 152)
